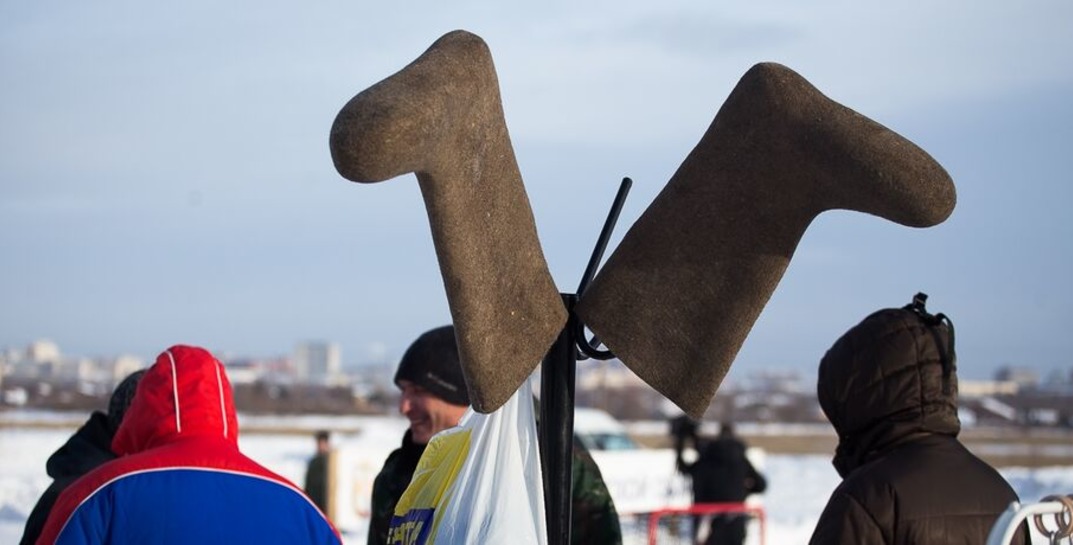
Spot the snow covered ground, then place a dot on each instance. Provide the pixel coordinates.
(798, 485)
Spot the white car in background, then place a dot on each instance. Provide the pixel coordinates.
(640, 480)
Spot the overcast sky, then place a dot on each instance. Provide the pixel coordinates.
(165, 174)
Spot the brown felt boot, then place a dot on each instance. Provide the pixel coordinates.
(678, 296)
(441, 118)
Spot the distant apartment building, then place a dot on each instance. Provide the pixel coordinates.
(1024, 377)
(987, 388)
(72, 371)
(43, 362)
(606, 375)
(121, 367)
(317, 362)
(243, 371)
(43, 351)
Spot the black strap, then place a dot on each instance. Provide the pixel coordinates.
(947, 355)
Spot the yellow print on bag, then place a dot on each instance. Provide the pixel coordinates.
(414, 521)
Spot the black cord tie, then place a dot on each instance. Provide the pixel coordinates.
(947, 354)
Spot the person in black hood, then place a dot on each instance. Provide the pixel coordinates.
(889, 388)
(88, 448)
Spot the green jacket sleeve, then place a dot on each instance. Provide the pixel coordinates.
(595, 520)
(388, 487)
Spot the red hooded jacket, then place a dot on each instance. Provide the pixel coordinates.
(180, 477)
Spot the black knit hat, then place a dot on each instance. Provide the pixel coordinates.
(432, 363)
(121, 398)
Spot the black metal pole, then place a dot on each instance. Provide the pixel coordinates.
(557, 377)
(605, 235)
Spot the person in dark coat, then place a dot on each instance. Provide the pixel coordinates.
(723, 474)
(684, 433)
(88, 448)
(889, 388)
(434, 398)
(316, 479)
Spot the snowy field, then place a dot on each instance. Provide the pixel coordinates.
(798, 485)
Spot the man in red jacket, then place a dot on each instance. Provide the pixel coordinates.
(180, 477)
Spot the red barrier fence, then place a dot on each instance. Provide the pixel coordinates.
(706, 509)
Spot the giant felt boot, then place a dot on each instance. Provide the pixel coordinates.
(680, 293)
(441, 117)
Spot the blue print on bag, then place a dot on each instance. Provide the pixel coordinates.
(412, 528)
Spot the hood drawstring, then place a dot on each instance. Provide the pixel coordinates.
(947, 354)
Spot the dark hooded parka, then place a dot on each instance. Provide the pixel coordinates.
(889, 388)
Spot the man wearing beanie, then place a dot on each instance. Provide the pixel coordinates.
(434, 398)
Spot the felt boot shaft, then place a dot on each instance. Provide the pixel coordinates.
(678, 296)
(441, 117)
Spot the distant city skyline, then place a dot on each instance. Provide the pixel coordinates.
(384, 360)
(165, 175)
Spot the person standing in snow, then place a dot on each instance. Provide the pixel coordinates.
(723, 474)
(434, 398)
(683, 432)
(316, 479)
(889, 388)
(180, 477)
(88, 448)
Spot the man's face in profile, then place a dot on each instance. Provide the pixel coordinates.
(428, 414)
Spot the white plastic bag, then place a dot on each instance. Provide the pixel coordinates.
(477, 483)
